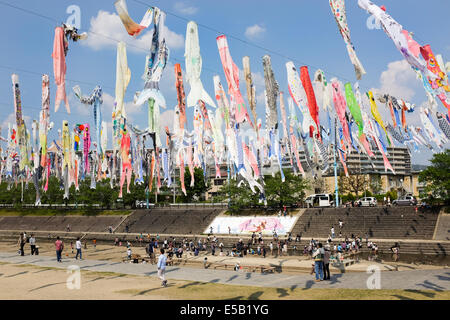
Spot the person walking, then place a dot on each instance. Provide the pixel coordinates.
(33, 244)
(59, 246)
(162, 260)
(21, 244)
(78, 247)
(318, 262)
(326, 262)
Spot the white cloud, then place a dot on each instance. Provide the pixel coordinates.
(399, 80)
(106, 29)
(254, 31)
(11, 119)
(165, 120)
(184, 8)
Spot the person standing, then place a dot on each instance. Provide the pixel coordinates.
(151, 252)
(21, 243)
(78, 247)
(59, 246)
(162, 268)
(318, 262)
(33, 244)
(332, 232)
(326, 263)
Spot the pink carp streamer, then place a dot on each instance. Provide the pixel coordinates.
(59, 68)
(232, 75)
(132, 27)
(340, 105)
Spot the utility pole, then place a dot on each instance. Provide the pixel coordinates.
(174, 185)
(228, 181)
(335, 165)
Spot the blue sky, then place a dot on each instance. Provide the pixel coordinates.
(304, 31)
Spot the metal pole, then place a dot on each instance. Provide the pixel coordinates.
(174, 185)
(228, 181)
(335, 165)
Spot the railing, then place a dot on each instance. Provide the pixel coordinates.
(56, 206)
(200, 205)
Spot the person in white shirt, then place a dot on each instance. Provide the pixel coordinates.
(33, 244)
(78, 247)
(129, 253)
(162, 268)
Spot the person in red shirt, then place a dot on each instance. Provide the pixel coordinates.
(59, 246)
(126, 160)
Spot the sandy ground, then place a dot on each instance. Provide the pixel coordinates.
(288, 264)
(41, 283)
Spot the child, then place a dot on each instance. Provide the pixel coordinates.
(95, 243)
(129, 253)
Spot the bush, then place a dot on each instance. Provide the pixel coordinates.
(367, 193)
(392, 194)
(348, 197)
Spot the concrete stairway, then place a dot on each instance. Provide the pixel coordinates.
(379, 222)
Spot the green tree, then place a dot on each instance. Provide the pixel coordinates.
(354, 183)
(238, 194)
(437, 177)
(197, 192)
(375, 184)
(289, 192)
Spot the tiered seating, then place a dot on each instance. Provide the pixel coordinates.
(381, 222)
(172, 220)
(59, 223)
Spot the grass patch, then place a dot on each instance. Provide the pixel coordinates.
(61, 212)
(199, 290)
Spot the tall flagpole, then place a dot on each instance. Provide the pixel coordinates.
(335, 165)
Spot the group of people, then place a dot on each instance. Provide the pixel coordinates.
(323, 254)
(59, 247)
(23, 240)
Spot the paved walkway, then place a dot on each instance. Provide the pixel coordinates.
(437, 280)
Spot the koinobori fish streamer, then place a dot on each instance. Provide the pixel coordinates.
(225, 135)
